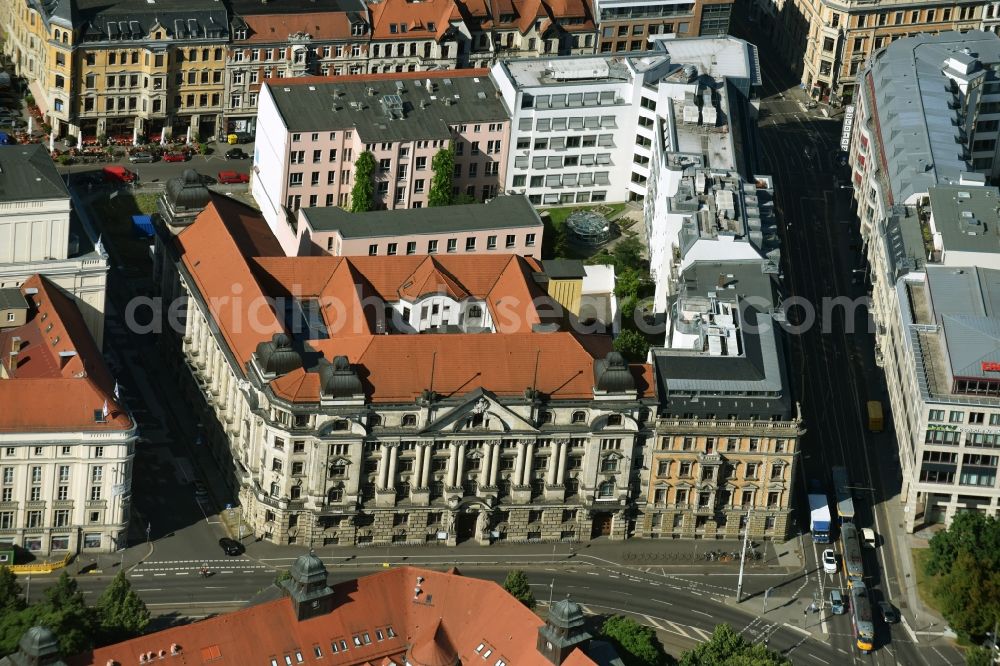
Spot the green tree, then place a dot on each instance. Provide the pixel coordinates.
(121, 612)
(66, 614)
(627, 253)
(282, 575)
(516, 584)
(632, 344)
(363, 192)
(978, 656)
(628, 282)
(10, 592)
(969, 532)
(969, 595)
(637, 644)
(727, 647)
(443, 166)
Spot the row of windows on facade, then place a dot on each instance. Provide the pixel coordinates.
(954, 438)
(430, 519)
(372, 448)
(568, 197)
(91, 540)
(35, 518)
(659, 521)
(135, 104)
(337, 646)
(545, 417)
(706, 499)
(979, 478)
(339, 469)
(713, 444)
(685, 470)
(469, 487)
(45, 451)
(451, 245)
(294, 201)
(562, 143)
(297, 178)
(958, 416)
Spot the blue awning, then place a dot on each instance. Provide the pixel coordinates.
(143, 225)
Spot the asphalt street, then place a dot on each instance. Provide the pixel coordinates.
(834, 368)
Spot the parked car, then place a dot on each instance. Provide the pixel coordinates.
(868, 537)
(836, 602)
(179, 156)
(889, 613)
(236, 154)
(829, 561)
(231, 546)
(141, 158)
(118, 175)
(233, 177)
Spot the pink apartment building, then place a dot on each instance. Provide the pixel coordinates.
(503, 225)
(311, 129)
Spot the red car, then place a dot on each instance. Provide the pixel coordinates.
(175, 157)
(233, 177)
(118, 174)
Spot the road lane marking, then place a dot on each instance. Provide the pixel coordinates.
(661, 601)
(678, 629)
(705, 635)
(151, 589)
(694, 610)
(159, 574)
(654, 623)
(817, 658)
(798, 629)
(183, 573)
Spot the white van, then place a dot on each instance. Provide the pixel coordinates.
(868, 537)
(836, 602)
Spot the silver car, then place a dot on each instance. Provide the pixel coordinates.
(140, 158)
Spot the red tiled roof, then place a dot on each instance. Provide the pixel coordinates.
(416, 16)
(456, 614)
(320, 26)
(60, 378)
(213, 250)
(506, 362)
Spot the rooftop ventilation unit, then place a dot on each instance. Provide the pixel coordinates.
(371, 91)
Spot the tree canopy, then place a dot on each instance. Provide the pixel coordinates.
(637, 644)
(631, 343)
(728, 647)
(516, 584)
(119, 615)
(363, 192)
(121, 612)
(443, 166)
(965, 559)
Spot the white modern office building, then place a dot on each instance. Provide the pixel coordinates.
(923, 148)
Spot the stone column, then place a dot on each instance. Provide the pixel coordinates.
(452, 466)
(485, 462)
(418, 465)
(460, 468)
(560, 476)
(519, 466)
(555, 446)
(393, 457)
(528, 458)
(495, 464)
(383, 467)
(425, 474)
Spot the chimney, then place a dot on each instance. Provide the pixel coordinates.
(15, 350)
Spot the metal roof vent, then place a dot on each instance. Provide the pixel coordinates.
(969, 225)
(372, 91)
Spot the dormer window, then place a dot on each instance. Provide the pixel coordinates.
(545, 417)
(409, 420)
(340, 425)
(579, 417)
(615, 420)
(375, 420)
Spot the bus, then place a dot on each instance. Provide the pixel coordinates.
(854, 568)
(861, 618)
(842, 489)
(875, 420)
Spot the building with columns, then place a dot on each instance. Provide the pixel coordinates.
(402, 399)
(66, 446)
(38, 235)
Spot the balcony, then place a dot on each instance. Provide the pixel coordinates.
(726, 426)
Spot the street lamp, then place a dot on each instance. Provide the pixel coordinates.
(743, 557)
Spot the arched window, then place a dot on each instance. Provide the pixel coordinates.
(65, 38)
(275, 491)
(409, 420)
(340, 424)
(55, 35)
(545, 417)
(338, 470)
(606, 490)
(375, 420)
(609, 464)
(579, 416)
(614, 419)
(335, 495)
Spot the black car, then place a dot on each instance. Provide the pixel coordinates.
(889, 613)
(231, 546)
(236, 154)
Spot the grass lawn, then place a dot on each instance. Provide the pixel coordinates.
(559, 215)
(924, 582)
(113, 218)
